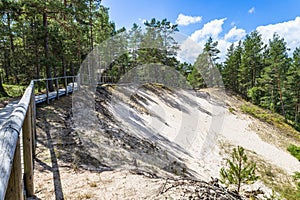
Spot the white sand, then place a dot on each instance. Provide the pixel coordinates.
(198, 130)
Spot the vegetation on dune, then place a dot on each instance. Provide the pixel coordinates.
(239, 169)
(294, 150)
(287, 126)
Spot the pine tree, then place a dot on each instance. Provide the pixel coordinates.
(239, 170)
(273, 77)
(231, 67)
(211, 48)
(204, 72)
(293, 88)
(158, 44)
(251, 62)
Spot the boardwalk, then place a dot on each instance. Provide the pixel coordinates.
(8, 109)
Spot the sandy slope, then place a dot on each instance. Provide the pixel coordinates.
(197, 124)
(143, 138)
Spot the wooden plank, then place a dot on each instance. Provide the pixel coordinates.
(28, 153)
(15, 187)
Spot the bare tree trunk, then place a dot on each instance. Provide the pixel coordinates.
(63, 64)
(7, 65)
(2, 90)
(281, 96)
(72, 69)
(37, 66)
(91, 26)
(46, 49)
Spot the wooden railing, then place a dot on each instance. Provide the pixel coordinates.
(18, 134)
(16, 177)
(22, 120)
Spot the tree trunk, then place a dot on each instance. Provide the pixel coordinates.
(46, 49)
(63, 64)
(2, 90)
(72, 69)
(281, 96)
(91, 27)
(7, 66)
(37, 64)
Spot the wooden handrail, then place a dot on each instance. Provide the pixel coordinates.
(22, 122)
(11, 180)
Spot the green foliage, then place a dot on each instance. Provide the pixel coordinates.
(254, 94)
(274, 75)
(272, 118)
(239, 170)
(265, 75)
(211, 48)
(195, 79)
(231, 67)
(14, 90)
(203, 73)
(289, 192)
(296, 176)
(251, 62)
(295, 151)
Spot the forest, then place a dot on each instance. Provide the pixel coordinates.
(51, 38)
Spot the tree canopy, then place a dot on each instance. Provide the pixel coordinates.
(48, 38)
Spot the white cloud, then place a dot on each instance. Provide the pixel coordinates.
(251, 10)
(184, 20)
(210, 29)
(288, 30)
(235, 34)
(214, 29)
(189, 51)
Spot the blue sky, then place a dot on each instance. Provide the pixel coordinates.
(225, 20)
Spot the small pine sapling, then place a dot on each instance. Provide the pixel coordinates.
(239, 170)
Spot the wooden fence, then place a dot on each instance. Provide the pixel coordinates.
(21, 119)
(16, 177)
(69, 85)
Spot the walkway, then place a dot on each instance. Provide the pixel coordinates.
(8, 109)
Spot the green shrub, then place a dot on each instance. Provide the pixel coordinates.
(14, 90)
(294, 150)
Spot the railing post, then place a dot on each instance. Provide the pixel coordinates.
(27, 153)
(66, 85)
(57, 88)
(14, 189)
(47, 91)
(73, 80)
